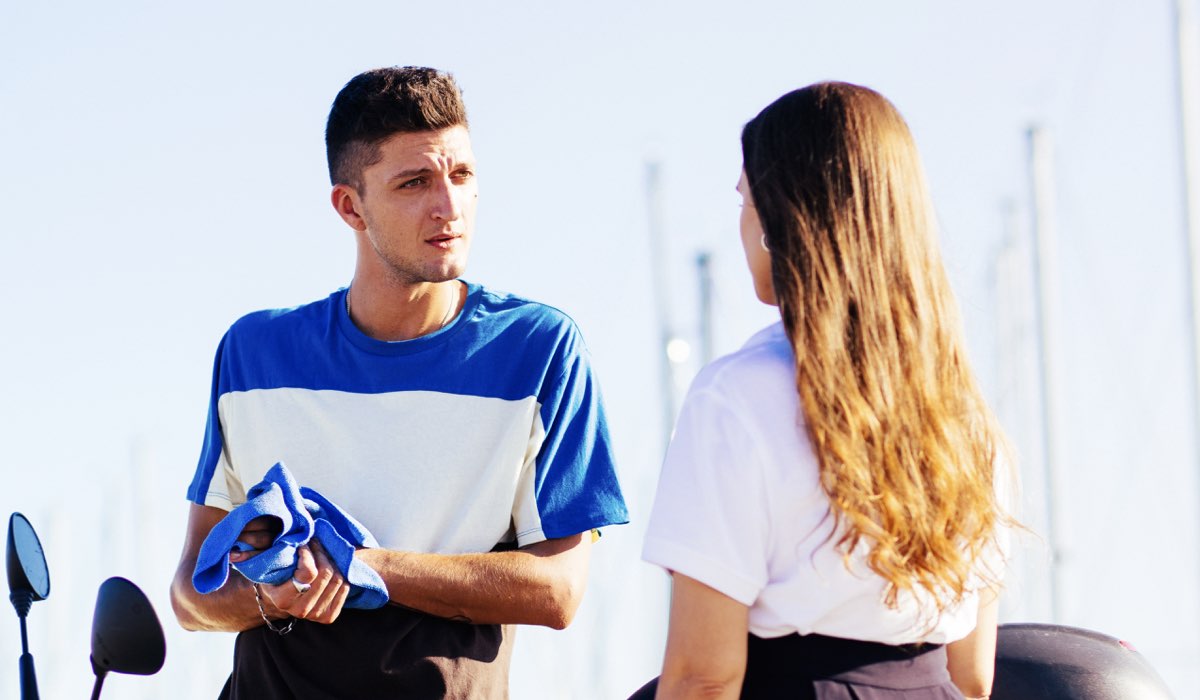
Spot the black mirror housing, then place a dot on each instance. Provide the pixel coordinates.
(126, 634)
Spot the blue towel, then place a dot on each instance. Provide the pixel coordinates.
(305, 514)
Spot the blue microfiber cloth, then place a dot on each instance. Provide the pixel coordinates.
(305, 514)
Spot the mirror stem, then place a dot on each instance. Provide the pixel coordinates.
(24, 638)
(29, 690)
(100, 674)
(22, 600)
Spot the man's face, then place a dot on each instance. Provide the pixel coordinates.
(417, 206)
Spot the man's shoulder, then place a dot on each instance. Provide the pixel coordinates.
(269, 322)
(541, 339)
(522, 307)
(510, 312)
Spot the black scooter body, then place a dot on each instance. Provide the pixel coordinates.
(1055, 662)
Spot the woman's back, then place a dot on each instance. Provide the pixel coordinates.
(831, 486)
(741, 464)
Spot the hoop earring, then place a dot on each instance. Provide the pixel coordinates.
(763, 242)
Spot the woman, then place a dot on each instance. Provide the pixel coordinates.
(827, 507)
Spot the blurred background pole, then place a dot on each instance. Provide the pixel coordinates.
(662, 298)
(1185, 46)
(1044, 246)
(704, 272)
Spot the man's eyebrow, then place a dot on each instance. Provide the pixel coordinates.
(405, 174)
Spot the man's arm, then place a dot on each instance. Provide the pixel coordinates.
(972, 660)
(232, 608)
(539, 584)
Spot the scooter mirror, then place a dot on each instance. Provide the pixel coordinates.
(28, 581)
(27, 571)
(126, 634)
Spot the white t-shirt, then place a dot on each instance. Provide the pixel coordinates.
(740, 508)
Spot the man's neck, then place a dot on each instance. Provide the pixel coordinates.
(404, 312)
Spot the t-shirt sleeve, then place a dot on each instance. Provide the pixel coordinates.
(709, 520)
(211, 483)
(994, 559)
(570, 482)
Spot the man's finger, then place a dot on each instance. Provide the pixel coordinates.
(261, 532)
(257, 540)
(330, 588)
(339, 601)
(333, 595)
(236, 556)
(306, 565)
(286, 596)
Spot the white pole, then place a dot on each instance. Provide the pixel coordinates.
(1044, 247)
(1186, 50)
(1185, 45)
(662, 298)
(704, 272)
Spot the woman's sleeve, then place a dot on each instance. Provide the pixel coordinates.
(709, 520)
(998, 553)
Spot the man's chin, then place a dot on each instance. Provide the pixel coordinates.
(429, 274)
(447, 273)
(444, 277)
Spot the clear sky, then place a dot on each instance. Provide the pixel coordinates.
(163, 173)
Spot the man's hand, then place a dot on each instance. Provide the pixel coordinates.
(324, 596)
(259, 534)
(539, 584)
(233, 608)
(317, 590)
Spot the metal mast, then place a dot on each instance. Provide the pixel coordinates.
(704, 272)
(1185, 46)
(662, 300)
(1044, 247)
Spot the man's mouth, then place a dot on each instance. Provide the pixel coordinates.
(444, 241)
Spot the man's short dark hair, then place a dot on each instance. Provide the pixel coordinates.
(382, 102)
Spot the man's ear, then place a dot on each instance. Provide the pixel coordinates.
(347, 204)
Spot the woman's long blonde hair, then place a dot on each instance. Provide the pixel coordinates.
(906, 444)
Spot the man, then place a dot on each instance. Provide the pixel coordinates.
(461, 426)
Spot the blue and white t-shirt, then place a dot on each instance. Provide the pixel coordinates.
(488, 431)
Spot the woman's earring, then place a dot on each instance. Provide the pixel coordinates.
(763, 242)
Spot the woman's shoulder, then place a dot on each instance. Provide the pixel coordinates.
(764, 362)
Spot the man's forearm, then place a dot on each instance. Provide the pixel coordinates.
(316, 592)
(229, 609)
(538, 585)
(232, 608)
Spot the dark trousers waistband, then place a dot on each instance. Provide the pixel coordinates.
(792, 659)
(798, 667)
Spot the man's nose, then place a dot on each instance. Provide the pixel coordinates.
(447, 204)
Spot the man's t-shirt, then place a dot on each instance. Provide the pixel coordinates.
(487, 433)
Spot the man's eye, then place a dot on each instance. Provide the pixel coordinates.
(411, 184)
(464, 174)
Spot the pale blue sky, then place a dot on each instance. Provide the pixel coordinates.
(164, 173)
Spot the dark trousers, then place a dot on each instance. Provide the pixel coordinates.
(815, 667)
